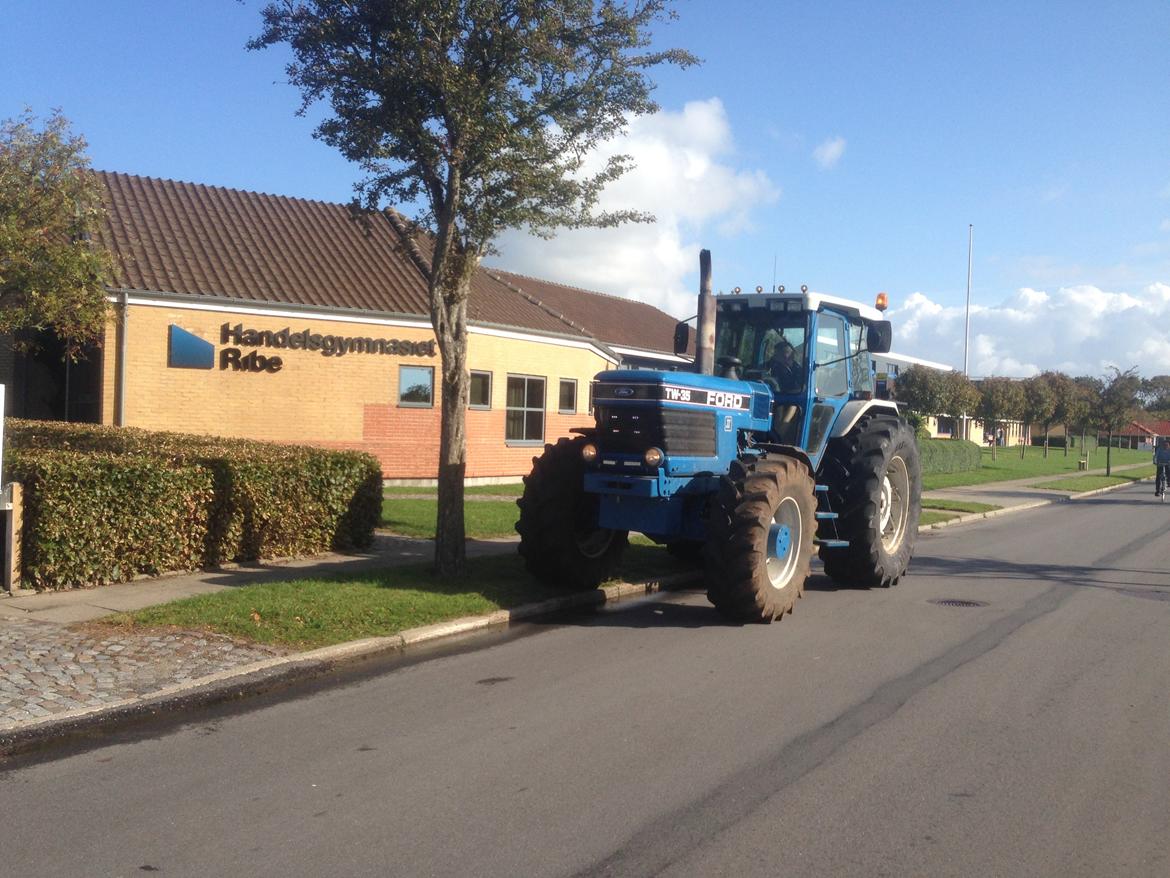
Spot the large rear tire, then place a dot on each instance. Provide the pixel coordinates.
(559, 537)
(761, 539)
(875, 487)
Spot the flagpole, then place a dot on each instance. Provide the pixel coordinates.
(967, 324)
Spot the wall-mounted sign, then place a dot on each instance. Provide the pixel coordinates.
(186, 350)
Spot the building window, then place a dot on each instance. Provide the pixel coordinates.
(416, 385)
(480, 393)
(568, 404)
(524, 420)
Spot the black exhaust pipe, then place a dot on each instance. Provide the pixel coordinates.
(705, 343)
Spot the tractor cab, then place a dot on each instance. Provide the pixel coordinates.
(811, 350)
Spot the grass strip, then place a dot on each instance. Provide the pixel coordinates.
(930, 517)
(309, 613)
(958, 505)
(481, 519)
(509, 490)
(1008, 465)
(1092, 483)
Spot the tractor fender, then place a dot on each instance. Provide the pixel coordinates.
(788, 450)
(854, 410)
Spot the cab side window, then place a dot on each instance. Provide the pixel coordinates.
(830, 378)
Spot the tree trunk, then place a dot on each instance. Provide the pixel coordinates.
(1046, 430)
(1027, 437)
(451, 270)
(1109, 455)
(1067, 439)
(994, 438)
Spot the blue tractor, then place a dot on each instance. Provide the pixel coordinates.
(785, 451)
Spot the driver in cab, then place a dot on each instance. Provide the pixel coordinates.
(785, 367)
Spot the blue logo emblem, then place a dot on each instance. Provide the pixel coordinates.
(188, 351)
(623, 391)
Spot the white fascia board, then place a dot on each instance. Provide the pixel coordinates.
(867, 312)
(307, 313)
(650, 355)
(809, 302)
(914, 361)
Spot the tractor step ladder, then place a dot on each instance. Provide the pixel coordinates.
(827, 514)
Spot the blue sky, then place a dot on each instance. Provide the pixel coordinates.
(849, 144)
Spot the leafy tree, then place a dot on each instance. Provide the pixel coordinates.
(52, 274)
(921, 390)
(1154, 394)
(1118, 405)
(1064, 411)
(1039, 404)
(483, 115)
(960, 397)
(1002, 400)
(1087, 401)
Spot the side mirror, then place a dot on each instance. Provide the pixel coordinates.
(879, 336)
(682, 337)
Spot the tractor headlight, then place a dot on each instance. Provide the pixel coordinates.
(652, 458)
(589, 452)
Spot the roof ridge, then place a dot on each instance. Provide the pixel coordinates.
(576, 288)
(214, 187)
(548, 309)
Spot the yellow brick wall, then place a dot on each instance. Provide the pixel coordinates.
(348, 401)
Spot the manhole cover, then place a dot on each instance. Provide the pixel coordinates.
(957, 602)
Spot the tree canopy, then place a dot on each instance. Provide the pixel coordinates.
(473, 116)
(53, 274)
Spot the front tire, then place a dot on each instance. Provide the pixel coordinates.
(761, 539)
(559, 538)
(875, 487)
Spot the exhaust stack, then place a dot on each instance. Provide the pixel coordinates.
(705, 343)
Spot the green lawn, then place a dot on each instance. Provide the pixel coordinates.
(1092, 483)
(958, 505)
(308, 613)
(482, 519)
(1009, 465)
(512, 489)
(930, 516)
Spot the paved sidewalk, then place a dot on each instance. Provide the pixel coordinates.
(54, 668)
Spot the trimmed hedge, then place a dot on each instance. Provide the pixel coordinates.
(103, 504)
(948, 456)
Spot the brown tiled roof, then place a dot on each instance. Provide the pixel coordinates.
(197, 240)
(615, 320)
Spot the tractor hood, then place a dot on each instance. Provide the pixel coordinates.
(684, 389)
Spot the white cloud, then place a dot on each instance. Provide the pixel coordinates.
(829, 152)
(683, 177)
(1079, 330)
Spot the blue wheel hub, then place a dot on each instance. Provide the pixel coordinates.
(780, 538)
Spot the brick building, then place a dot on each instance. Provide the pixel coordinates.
(282, 319)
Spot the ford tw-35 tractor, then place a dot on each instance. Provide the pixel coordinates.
(785, 451)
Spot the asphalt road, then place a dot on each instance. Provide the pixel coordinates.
(872, 733)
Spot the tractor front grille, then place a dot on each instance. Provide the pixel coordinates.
(633, 429)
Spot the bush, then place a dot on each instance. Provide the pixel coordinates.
(103, 504)
(948, 456)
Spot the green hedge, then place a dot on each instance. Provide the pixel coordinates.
(948, 455)
(103, 504)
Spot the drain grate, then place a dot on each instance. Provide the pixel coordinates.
(957, 602)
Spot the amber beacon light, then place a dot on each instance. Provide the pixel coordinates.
(882, 302)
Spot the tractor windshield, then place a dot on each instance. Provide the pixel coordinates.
(770, 344)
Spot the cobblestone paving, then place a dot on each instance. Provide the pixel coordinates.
(48, 669)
